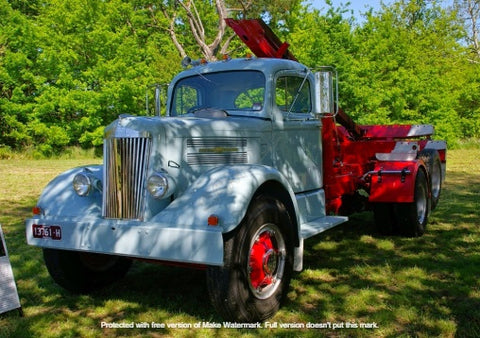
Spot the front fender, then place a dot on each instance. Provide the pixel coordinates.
(59, 199)
(225, 192)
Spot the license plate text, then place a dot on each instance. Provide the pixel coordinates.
(47, 231)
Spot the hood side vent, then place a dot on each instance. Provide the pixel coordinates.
(216, 151)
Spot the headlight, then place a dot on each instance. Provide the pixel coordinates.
(82, 184)
(85, 181)
(160, 185)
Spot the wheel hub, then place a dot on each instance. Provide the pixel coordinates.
(266, 262)
(269, 261)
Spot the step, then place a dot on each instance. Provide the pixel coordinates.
(319, 225)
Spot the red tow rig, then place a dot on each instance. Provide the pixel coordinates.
(381, 160)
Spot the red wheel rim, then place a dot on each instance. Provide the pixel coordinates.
(266, 261)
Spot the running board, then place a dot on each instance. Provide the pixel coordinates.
(319, 225)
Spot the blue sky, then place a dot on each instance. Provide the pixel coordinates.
(358, 6)
(361, 6)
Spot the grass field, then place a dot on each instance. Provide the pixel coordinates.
(352, 276)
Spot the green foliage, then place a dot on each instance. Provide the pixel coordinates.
(409, 68)
(72, 68)
(68, 68)
(5, 153)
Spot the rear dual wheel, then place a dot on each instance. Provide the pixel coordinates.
(431, 158)
(258, 264)
(412, 217)
(408, 219)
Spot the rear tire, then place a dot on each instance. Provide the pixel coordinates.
(434, 169)
(383, 214)
(258, 264)
(81, 272)
(412, 218)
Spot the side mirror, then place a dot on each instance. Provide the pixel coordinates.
(326, 92)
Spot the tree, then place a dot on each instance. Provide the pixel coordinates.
(195, 21)
(18, 82)
(75, 65)
(469, 13)
(194, 25)
(408, 68)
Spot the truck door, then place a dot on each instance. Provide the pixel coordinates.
(297, 146)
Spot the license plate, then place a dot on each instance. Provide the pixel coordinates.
(47, 231)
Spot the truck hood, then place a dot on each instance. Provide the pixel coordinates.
(169, 128)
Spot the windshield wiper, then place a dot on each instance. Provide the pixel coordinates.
(297, 94)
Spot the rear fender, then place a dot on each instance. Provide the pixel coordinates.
(225, 192)
(59, 199)
(394, 181)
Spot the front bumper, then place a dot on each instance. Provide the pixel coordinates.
(149, 240)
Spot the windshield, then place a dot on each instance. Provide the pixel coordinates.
(232, 91)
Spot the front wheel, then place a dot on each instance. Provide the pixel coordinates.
(82, 272)
(258, 264)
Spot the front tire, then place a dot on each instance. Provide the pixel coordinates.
(83, 272)
(258, 264)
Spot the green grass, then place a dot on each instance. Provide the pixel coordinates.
(426, 286)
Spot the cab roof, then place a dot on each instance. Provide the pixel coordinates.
(267, 66)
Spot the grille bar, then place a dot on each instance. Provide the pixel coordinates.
(228, 158)
(216, 142)
(126, 163)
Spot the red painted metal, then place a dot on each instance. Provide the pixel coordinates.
(259, 256)
(172, 264)
(382, 187)
(350, 163)
(260, 39)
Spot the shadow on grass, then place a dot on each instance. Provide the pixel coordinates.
(423, 285)
(426, 285)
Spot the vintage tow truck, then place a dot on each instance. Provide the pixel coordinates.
(253, 157)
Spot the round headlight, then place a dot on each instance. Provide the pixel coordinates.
(157, 185)
(160, 185)
(82, 184)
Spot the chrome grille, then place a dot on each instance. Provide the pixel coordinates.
(207, 151)
(126, 162)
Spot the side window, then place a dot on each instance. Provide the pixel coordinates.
(250, 99)
(186, 97)
(292, 96)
